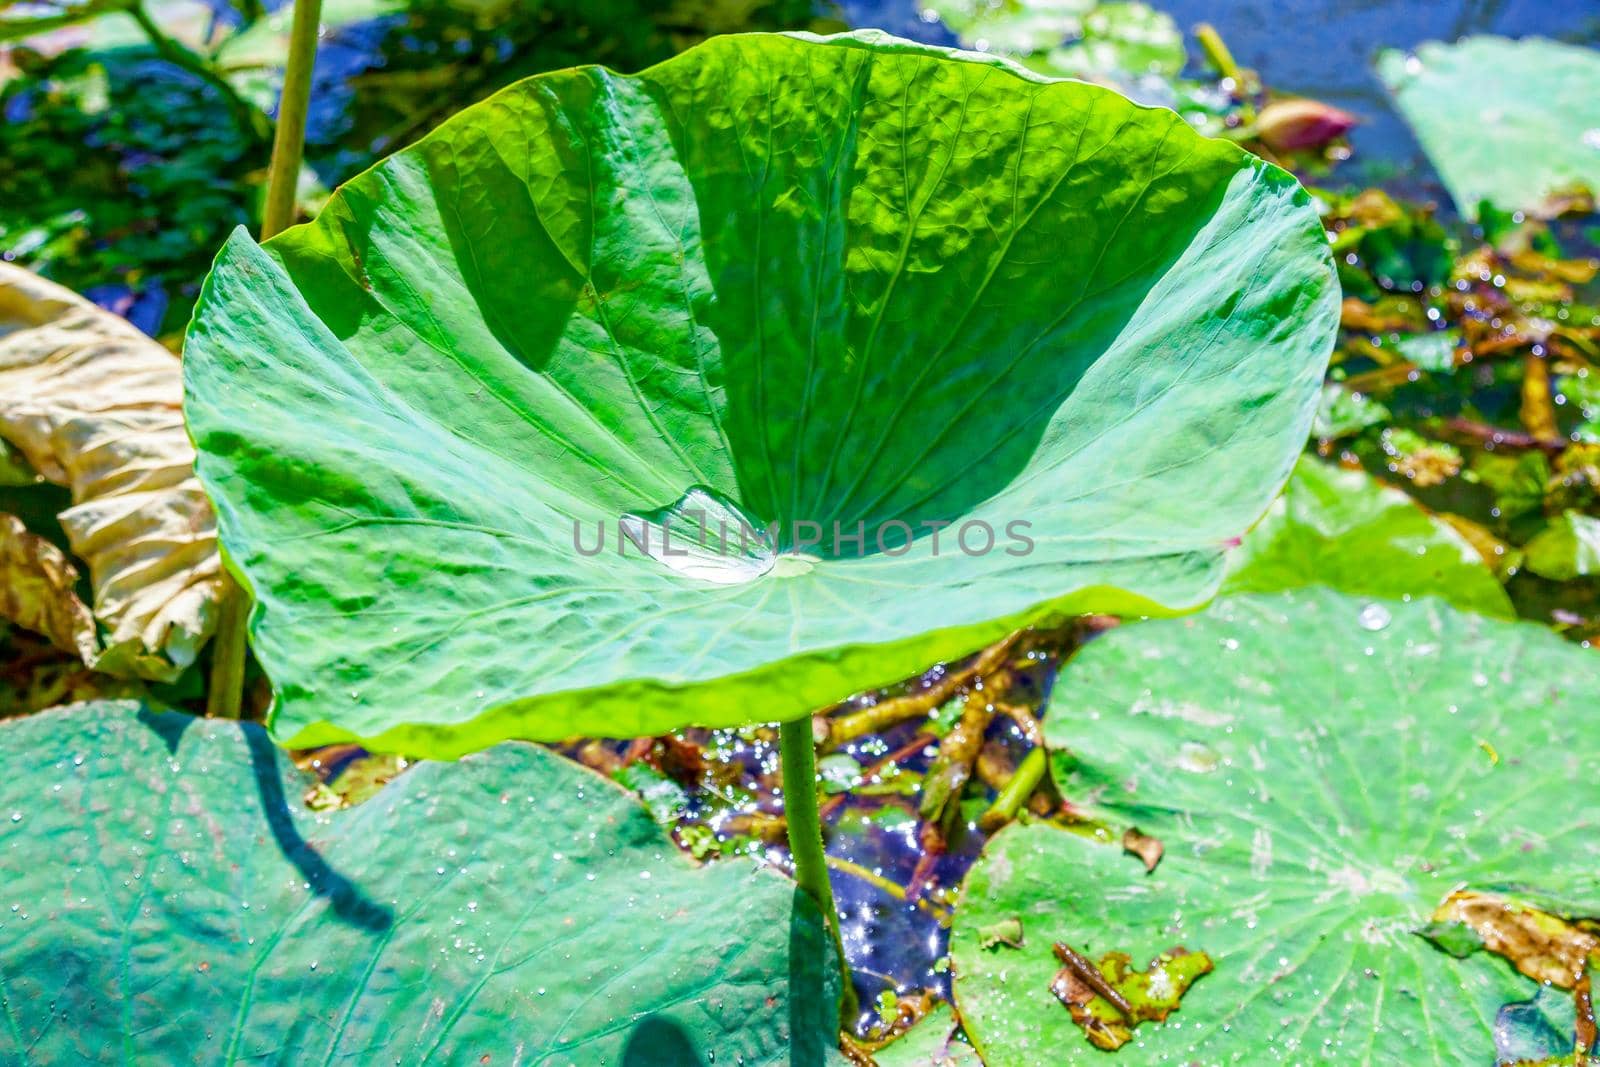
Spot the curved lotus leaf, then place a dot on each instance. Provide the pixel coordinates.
(1514, 123)
(836, 286)
(1122, 41)
(170, 900)
(1346, 530)
(1323, 772)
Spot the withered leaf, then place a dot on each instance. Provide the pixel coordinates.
(36, 590)
(1135, 996)
(1539, 945)
(1147, 848)
(94, 405)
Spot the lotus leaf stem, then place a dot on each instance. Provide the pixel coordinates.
(284, 172)
(797, 748)
(225, 696)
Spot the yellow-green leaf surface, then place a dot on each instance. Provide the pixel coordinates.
(1514, 123)
(1345, 530)
(847, 281)
(169, 899)
(1324, 772)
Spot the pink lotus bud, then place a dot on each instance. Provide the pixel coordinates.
(1289, 125)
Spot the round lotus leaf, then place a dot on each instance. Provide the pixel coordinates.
(1513, 123)
(1323, 771)
(872, 351)
(168, 898)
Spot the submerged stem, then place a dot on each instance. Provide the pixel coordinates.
(1023, 782)
(797, 747)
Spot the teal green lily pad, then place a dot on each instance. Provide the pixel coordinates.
(1347, 531)
(843, 285)
(1323, 771)
(1536, 1030)
(168, 899)
(1513, 123)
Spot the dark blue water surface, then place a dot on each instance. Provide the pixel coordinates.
(1325, 49)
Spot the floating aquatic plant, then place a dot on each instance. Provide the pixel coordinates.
(1323, 771)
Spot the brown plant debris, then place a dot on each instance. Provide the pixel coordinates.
(1108, 998)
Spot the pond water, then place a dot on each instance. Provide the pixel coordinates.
(1325, 49)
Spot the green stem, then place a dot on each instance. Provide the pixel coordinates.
(1216, 51)
(1221, 59)
(251, 122)
(287, 145)
(225, 697)
(797, 747)
(1024, 780)
(225, 693)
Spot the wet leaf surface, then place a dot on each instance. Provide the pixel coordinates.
(1542, 946)
(1513, 123)
(1345, 530)
(1569, 547)
(1319, 778)
(1535, 1030)
(168, 899)
(932, 1042)
(457, 426)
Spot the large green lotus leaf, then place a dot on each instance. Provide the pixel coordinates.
(1345, 530)
(1511, 122)
(845, 281)
(168, 899)
(1323, 771)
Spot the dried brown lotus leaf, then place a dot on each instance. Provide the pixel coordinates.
(96, 406)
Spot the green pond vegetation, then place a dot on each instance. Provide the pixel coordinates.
(721, 547)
